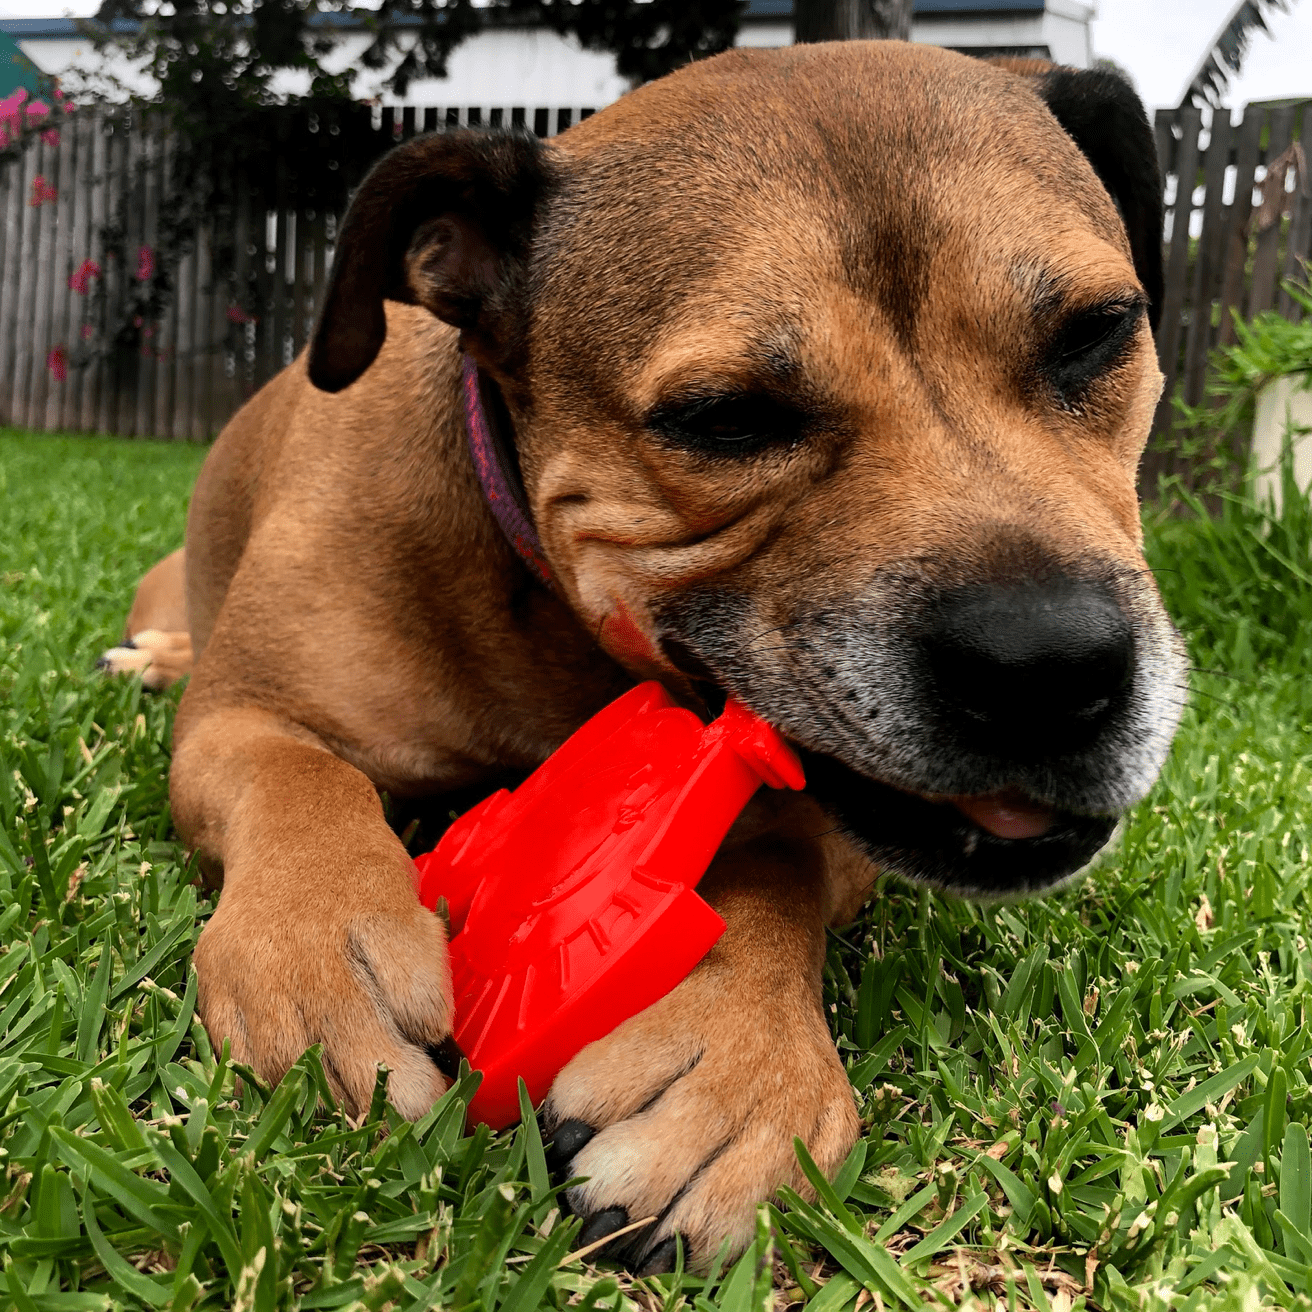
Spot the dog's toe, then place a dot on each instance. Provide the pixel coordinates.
(660, 1259)
(567, 1140)
(160, 658)
(687, 1114)
(603, 1223)
(124, 659)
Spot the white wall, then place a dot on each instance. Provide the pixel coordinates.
(529, 67)
(536, 68)
(1063, 29)
(506, 67)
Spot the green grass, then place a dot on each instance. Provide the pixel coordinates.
(1098, 1100)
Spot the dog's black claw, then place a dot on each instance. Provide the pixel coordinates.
(603, 1223)
(446, 1056)
(568, 1139)
(660, 1259)
(102, 663)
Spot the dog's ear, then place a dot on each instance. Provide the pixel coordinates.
(443, 221)
(1102, 114)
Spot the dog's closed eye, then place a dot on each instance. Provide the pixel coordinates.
(1090, 343)
(730, 424)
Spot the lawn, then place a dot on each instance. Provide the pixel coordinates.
(1098, 1100)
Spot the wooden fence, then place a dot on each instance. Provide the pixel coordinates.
(80, 223)
(1238, 222)
(1238, 227)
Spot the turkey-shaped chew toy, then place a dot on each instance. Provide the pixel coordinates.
(571, 899)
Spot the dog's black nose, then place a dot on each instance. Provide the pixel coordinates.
(1029, 668)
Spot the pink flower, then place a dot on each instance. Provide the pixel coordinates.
(11, 116)
(57, 363)
(80, 279)
(237, 315)
(42, 192)
(50, 136)
(87, 332)
(145, 264)
(36, 111)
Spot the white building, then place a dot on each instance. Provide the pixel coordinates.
(535, 67)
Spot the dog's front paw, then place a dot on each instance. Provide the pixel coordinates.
(687, 1113)
(368, 979)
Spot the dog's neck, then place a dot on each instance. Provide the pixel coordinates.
(492, 448)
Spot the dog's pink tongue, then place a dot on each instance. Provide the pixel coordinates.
(1007, 813)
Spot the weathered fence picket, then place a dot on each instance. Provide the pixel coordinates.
(1238, 225)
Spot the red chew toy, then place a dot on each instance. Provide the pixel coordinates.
(571, 898)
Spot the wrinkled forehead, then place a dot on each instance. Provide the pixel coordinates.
(739, 214)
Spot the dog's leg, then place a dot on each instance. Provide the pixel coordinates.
(318, 937)
(156, 640)
(688, 1111)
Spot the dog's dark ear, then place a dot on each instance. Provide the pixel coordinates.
(1102, 114)
(443, 221)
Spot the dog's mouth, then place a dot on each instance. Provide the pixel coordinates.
(1007, 813)
(996, 844)
(1000, 843)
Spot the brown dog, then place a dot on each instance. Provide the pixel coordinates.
(828, 370)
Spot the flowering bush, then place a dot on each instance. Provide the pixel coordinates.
(80, 279)
(19, 117)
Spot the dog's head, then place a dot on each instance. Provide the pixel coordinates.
(830, 369)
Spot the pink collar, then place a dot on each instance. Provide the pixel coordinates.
(498, 473)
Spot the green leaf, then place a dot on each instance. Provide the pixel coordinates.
(494, 1233)
(535, 1159)
(143, 1199)
(850, 1171)
(277, 1112)
(93, 1008)
(184, 1174)
(1021, 1197)
(824, 1190)
(838, 1292)
(150, 1291)
(865, 1070)
(913, 1206)
(1276, 1088)
(526, 1293)
(1296, 1192)
(1208, 1091)
(947, 1229)
(869, 1263)
(181, 1024)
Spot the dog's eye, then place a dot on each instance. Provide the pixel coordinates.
(1089, 344)
(727, 425)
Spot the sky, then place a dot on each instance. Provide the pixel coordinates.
(1158, 42)
(1161, 42)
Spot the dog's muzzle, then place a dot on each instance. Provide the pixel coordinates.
(982, 737)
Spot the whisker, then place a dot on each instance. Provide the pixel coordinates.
(1221, 674)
